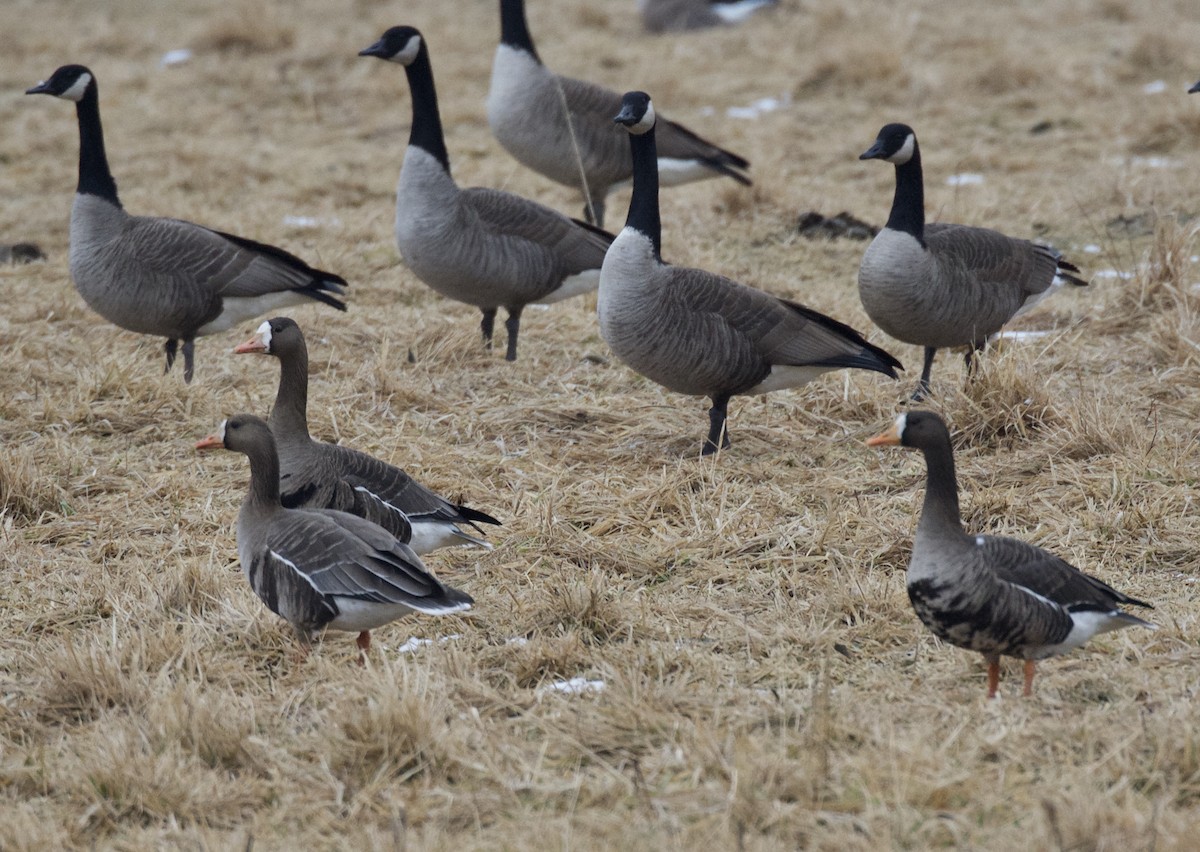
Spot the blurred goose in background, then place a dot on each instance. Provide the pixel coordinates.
(998, 596)
(525, 107)
(942, 285)
(318, 475)
(698, 333)
(663, 16)
(319, 568)
(161, 276)
(480, 246)
(1194, 89)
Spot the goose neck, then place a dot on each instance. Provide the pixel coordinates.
(940, 513)
(94, 175)
(426, 130)
(514, 31)
(908, 204)
(264, 474)
(289, 416)
(643, 204)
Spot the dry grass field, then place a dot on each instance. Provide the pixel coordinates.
(765, 682)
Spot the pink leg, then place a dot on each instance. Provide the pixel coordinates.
(364, 645)
(993, 677)
(1029, 669)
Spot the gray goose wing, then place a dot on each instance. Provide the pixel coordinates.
(1041, 572)
(1012, 269)
(541, 239)
(210, 265)
(341, 555)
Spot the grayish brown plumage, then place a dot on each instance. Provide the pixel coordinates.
(942, 285)
(161, 276)
(319, 475)
(699, 333)
(998, 596)
(525, 107)
(319, 568)
(483, 247)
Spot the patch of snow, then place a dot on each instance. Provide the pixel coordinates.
(1022, 335)
(965, 179)
(1112, 273)
(1157, 87)
(414, 643)
(573, 686)
(757, 108)
(1092, 248)
(310, 222)
(175, 57)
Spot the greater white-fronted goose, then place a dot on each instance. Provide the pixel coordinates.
(940, 285)
(702, 334)
(319, 568)
(483, 247)
(666, 16)
(527, 106)
(998, 596)
(168, 277)
(318, 475)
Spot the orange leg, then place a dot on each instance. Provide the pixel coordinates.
(364, 645)
(1030, 665)
(993, 677)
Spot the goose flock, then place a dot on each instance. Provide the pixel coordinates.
(332, 538)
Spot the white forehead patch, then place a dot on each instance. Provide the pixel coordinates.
(264, 334)
(221, 431)
(75, 93)
(905, 153)
(901, 423)
(408, 53)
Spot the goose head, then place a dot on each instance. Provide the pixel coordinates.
(69, 82)
(239, 433)
(398, 44)
(895, 144)
(637, 113)
(919, 429)
(273, 337)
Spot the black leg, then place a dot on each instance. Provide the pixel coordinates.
(922, 390)
(189, 350)
(486, 326)
(971, 360)
(593, 214)
(513, 325)
(718, 435)
(172, 345)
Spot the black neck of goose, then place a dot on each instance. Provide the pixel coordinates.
(94, 175)
(643, 204)
(514, 31)
(427, 121)
(289, 416)
(908, 204)
(941, 491)
(264, 474)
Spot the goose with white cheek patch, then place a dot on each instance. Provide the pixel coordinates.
(320, 569)
(168, 277)
(484, 247)
(528, 105)
(998, 596)
(940, 285)
(698, 333)
(318, 475)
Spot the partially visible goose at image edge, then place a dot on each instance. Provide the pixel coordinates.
(995, 595)
(525, 112)
(941, 285)
(1195, 88)
(319, 568)
(319, 475)
(483, 247)
(698, 333)
(168, 277)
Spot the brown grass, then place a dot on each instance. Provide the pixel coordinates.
(766, 685)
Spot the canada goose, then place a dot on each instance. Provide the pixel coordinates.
(320, 568)
(998, 596)
(942, 285)
(317, 475)
(480, 246)
(662, 16)
(162, 276)
(525, 107)
(699, 333)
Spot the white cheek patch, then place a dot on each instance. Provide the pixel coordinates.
(408, 53)
(905, 153)
(75, 93)
(646, 121)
